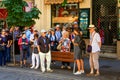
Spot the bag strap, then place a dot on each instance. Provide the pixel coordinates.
(80, 39)
(92, 38)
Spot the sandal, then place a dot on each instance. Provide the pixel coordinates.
(90, 74)
(97, 74)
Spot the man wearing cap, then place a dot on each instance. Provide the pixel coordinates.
(44, 51)
(95, 42)
(58, 33)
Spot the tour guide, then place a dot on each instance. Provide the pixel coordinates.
(44, 51)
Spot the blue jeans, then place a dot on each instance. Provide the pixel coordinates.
(8, 56)
(28, 51)
(2, 58)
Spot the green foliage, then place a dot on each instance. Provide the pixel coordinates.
(64, 3)
(16, 14)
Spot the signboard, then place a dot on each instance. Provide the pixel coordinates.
(3, 13)
(60, 1)
(84, 21)
(118, 23)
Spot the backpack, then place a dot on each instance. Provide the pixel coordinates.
(24, 47)
(82, 44)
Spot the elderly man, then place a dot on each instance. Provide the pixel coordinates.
(44, 51)
(95, 42)
(58, 33)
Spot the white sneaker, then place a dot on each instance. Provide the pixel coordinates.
(50, 70)
(77, 73)
(82, 71)
(36, 67)
(32, 67)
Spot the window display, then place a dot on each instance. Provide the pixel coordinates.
(84, 20)
(64, 14)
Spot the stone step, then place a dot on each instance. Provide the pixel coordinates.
(109, 55)
(108, 49)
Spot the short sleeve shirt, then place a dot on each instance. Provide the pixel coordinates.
(95, 45)
(44, 44)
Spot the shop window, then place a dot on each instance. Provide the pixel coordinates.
(64, 15)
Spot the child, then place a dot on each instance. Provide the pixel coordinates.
(35, 55)
(23, 45)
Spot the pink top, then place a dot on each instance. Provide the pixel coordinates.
(20, 41)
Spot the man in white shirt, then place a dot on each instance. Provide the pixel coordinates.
(95, 42)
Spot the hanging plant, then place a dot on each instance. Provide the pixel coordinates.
(64, 3)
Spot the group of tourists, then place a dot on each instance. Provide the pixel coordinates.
(41, 44)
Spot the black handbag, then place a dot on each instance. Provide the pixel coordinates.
(24, 47)
(89, 48)
(2, 48)
(35, 50)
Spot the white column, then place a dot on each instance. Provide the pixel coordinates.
(45, 18)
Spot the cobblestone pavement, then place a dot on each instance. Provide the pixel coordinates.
(110, 70)
(16, 73)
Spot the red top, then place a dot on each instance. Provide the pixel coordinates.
(20, 41)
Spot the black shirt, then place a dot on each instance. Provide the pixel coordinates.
(43, 43)
(3, 40)
(9, 37)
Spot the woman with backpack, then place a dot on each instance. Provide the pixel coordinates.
(23, 45)
(78, 52)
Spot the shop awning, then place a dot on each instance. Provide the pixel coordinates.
(61, 1)
(3, 13)
(64, 19)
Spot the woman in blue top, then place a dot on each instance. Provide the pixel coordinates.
(3, 42)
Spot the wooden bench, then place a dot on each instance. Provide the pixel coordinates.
(63, 56)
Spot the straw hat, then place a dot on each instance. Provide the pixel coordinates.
(91, 26)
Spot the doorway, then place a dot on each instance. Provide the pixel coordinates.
(105, 19)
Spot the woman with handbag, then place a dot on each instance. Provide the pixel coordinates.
(3, 42)
(23, 45)
(95, 43)
(78, 52)
(65, 47)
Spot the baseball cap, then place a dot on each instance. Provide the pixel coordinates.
(75, 23)
(57, 26)
(43, 30)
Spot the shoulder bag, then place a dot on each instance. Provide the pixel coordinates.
(89, 47)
